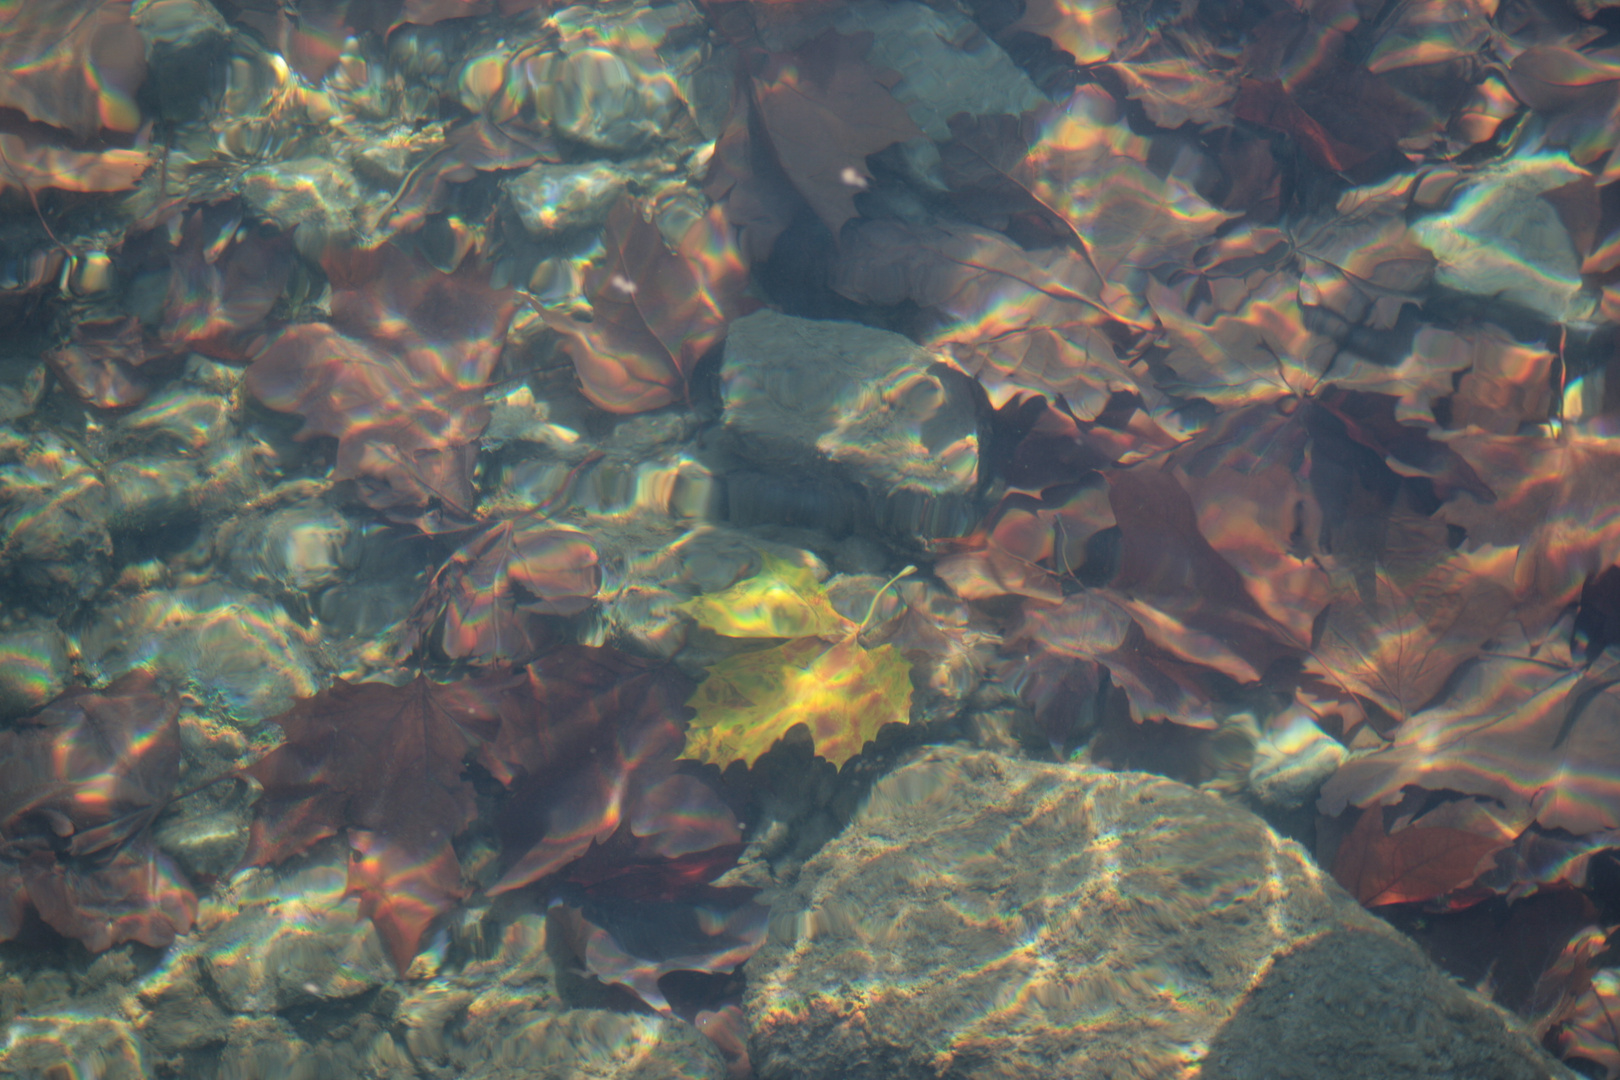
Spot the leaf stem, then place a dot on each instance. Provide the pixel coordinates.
(871, 609)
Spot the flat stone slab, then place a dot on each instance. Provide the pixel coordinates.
(986, 917)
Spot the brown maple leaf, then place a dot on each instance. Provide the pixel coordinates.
(99, 362)
(397, 377)
(73, 64)
(384, 763)
(33, 162)
(826, 110)
(1591, 1031)
(1428, 610)
(80, 783)
(654, 311)
(1097, 629)
(1529, 729)
(745, 178)
(1178, 90)
(1556, 500)
(1575, 94)
(610, 734)
(1027, 545)
(1411, 864)
(223, 283)
(487, 595)
(1187, 598)
(1247, 475)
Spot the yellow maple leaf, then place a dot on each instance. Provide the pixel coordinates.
(823, 677)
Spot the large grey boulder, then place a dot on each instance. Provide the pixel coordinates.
(989, 917)
(814, 405)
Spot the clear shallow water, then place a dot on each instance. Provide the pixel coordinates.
(488, 487)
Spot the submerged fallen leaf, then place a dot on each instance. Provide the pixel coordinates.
(396, 377)
(1088, 30)
(1412, 864)
(1177, 90)
(98, 362)
(80, 784)
(654, 312)
(34, 164)
(823, 678)
(711, 930)
(487, 594)
(1592, 1030)
(384, 763)
(73, 64)
(1554, 502)
(1429, 612)
(1528, 731)
(223, 282)
(826, 110)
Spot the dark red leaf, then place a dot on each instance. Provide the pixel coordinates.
(396, 377)
(222, 284)
(385, 763)
(635, 944)
(488, 595)
(826, 110)
(98, 363)
(1413, 864)
(609, 734)
(654, 312)
(73, 64)
(80, 782)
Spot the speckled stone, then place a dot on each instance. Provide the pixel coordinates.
(987, 917)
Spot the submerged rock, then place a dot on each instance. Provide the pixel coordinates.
(555, 198)
(54, 540)
(833, 402)
(34, 667)
(990, 917)
(590, 1044)
(232, 646)
(73, 1045)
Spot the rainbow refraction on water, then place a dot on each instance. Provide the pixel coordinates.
(809, 538)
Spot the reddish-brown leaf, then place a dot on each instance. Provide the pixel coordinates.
(222, 283)
(609, 735)
(826, 110)
(385, 763)
(1411, 865)
(396, 377)
(654, 312)
(1097, 627)
(711, 929)
(1185, 595)
(1027, 545)
(73, 64)
(1429, 610)
(1178, 90)
(745, 178)
(98, 363)
(1247, 475)
(34, 163)
(1556, 501)
(80, 782)
(1592, 1029)
(1533, 732)
(487, 596)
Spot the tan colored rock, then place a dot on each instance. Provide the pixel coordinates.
(990, 917)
